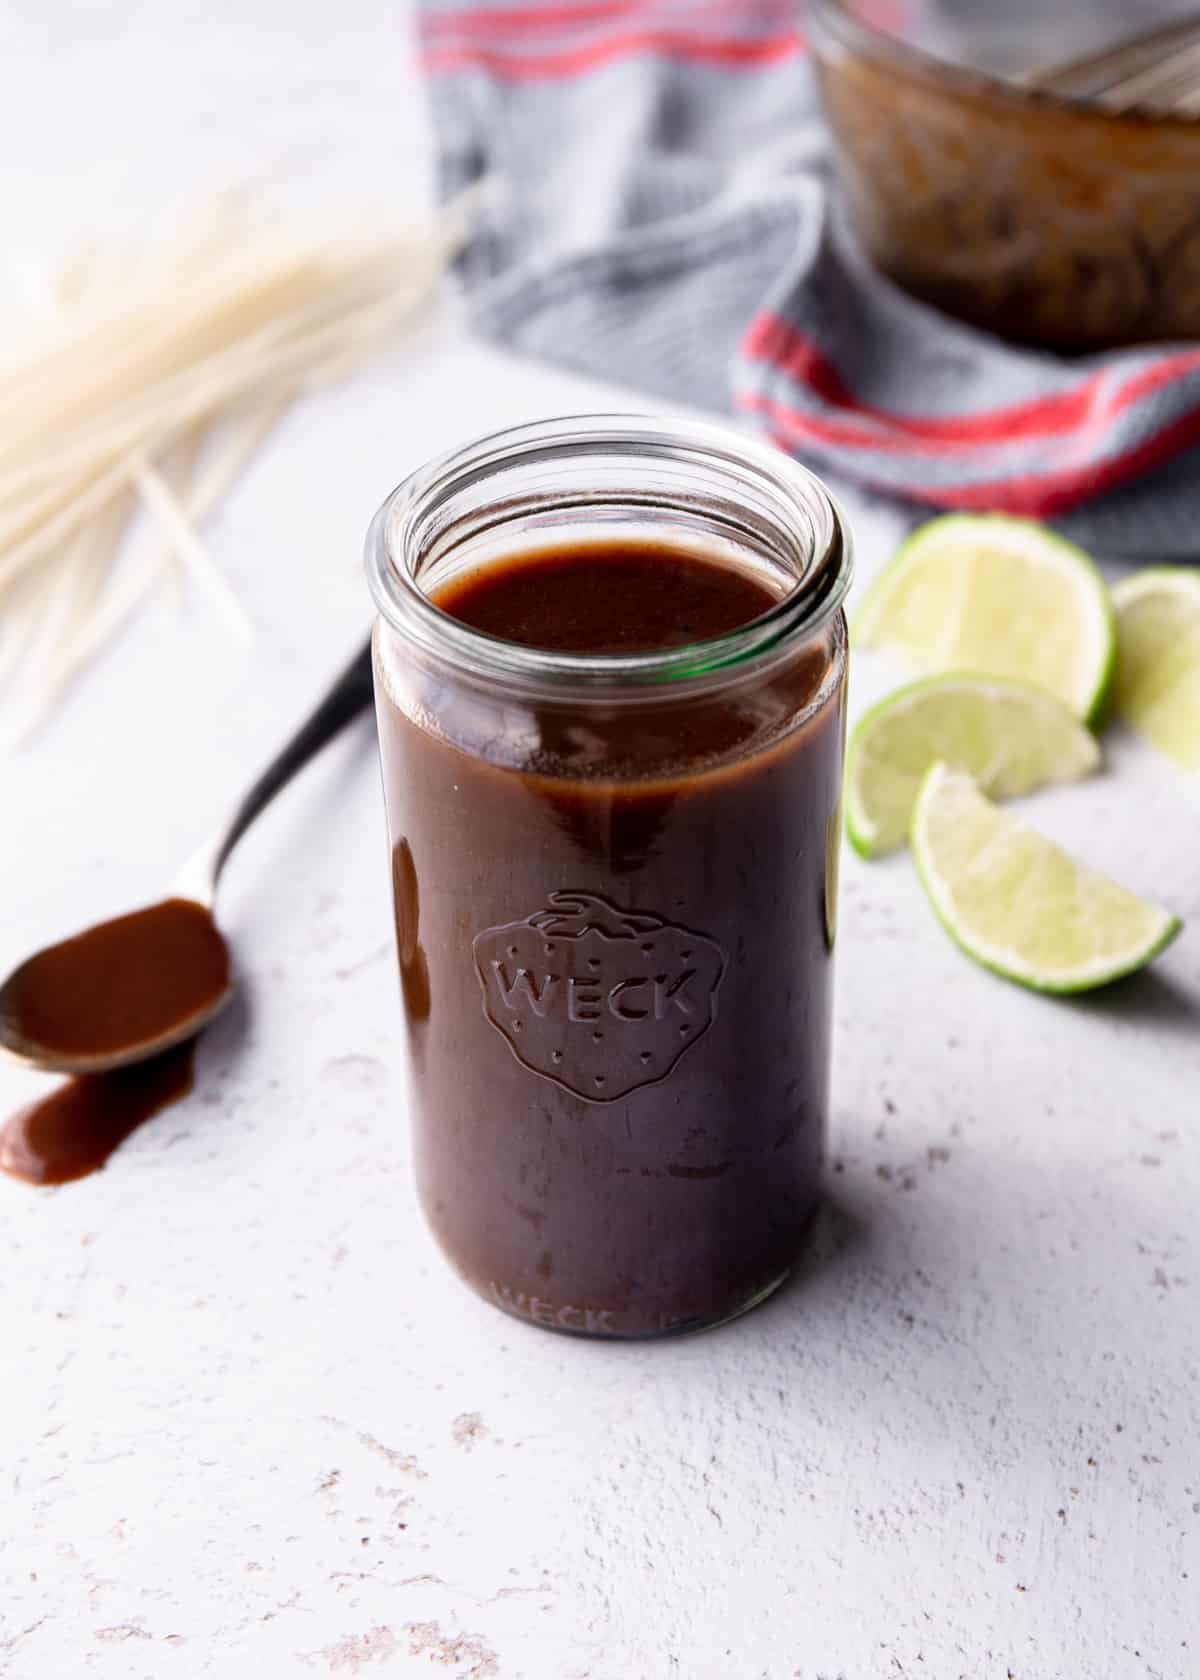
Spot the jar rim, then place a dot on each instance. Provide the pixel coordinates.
(392, 561)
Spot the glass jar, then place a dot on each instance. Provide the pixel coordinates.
(615, 879)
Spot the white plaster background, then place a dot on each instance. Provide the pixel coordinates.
(251, 1424)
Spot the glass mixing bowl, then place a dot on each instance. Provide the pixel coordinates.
(1049, 220)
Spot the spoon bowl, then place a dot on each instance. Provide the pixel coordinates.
(118, 993)
(129, 989)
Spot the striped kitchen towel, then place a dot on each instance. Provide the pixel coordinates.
(662, 216)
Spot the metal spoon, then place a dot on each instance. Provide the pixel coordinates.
(197, 883)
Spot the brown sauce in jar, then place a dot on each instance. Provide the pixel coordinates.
(615, 942)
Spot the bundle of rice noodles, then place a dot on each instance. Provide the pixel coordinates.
(142, 383)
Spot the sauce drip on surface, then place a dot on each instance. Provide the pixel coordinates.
(74, 1130)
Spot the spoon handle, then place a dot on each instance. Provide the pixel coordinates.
(351, 694)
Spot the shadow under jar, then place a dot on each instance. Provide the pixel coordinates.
(613, 808)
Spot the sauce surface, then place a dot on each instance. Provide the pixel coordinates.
(609, 599)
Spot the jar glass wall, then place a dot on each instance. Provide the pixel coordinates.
(615, 879)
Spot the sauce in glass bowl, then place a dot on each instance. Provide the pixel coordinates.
(1051, 221)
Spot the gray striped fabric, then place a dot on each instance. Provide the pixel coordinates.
(662, 215)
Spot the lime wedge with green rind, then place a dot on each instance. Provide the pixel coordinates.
(1017, 903)
(1000, 596)
(1158, 671)
(1011, 737)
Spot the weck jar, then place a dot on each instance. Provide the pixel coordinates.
(610, 671)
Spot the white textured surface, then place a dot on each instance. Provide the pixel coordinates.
(250, 1422)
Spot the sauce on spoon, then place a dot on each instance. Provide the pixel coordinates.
(151, 978)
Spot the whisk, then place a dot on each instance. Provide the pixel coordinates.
(1157, 70)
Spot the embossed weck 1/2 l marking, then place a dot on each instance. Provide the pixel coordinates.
(597, 999)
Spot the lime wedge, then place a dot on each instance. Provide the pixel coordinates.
(1158, 673)
(1011, 737)
(1017, 903)
(1004, 597)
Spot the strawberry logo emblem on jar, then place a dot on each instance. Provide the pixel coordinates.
(597, 999)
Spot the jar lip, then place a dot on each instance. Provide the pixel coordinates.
(404, 605)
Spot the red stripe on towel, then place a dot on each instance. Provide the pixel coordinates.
(1090, 404)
